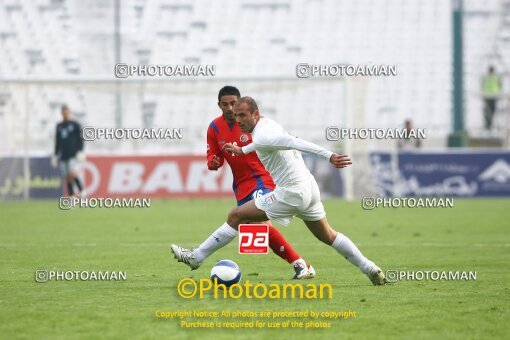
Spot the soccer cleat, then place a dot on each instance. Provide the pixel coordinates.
(186, 256)
(376, 275)
(302, 271)
(311, 272)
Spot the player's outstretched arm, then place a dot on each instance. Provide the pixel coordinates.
(285, 141)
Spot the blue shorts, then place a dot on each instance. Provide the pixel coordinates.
(254, 194)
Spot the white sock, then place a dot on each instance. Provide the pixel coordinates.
(221, 237)
(347, 249)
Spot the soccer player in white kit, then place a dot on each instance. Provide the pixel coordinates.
(296, 193)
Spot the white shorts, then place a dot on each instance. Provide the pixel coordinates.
(282, 204)
(67, 166)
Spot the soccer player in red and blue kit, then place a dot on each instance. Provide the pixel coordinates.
(251, 179)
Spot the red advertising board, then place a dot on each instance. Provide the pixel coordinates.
(155, 176)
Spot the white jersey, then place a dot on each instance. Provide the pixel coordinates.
(277, 150)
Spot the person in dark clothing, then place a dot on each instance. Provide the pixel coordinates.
(69, 150)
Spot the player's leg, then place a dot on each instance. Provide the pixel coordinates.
(279, 245)
(488, 112)
(221, 236)
(65, 171)
(315, 219)
(245, 213)
(282, 213)
(70, 187)
(323, 231)
(228, 231)
(492, 112)
(73, 175)
(342, 244)
(76, 181)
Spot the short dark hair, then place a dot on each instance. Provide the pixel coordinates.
(228, 91)
(64, 107)
(252, 104)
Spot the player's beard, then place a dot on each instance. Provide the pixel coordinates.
(229, 116)
(246, 129)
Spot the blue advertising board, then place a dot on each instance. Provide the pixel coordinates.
(462, 174)
(44, 181)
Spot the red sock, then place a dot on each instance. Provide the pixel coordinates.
(280, 246)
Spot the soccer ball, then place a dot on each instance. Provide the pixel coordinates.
(226, 272)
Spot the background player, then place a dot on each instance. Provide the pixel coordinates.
(296, 193)
(68, 149)
(250, 177)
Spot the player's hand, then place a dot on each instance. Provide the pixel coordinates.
(54, 161)
(340, 161)
(80, 156)
(215, 163)
(233, 149)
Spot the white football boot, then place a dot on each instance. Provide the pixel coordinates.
(186, 256)
(374, 273)
(302, 271)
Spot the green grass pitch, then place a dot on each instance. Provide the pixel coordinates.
(472, 236)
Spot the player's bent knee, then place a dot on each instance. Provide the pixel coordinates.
(325, 239)
(329, 237)
(234, 218)
(322, 231)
